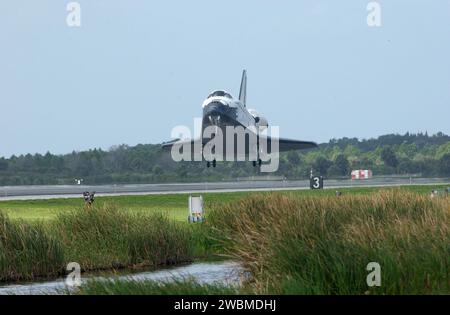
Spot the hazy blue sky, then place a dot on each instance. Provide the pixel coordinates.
(135, 69)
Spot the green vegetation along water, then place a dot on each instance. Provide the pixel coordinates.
(291, 242)
(215, 277)
(309, 245)
(100, 237)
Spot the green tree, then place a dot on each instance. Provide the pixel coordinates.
(157, 170)
(293, 157)
(334, 171)
(444, 164)
(321, 165)
(3, 164)
(389, 158)
(342, 164)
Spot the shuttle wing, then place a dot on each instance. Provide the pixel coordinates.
(168, 145)
(289, 144)
(184, 146)
(196, 145)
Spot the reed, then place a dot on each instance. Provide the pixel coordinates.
(104, 237)
(147, 287)
(27, 251)
(322, 245)
(95, 237)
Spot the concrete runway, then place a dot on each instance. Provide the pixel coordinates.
(75, 191)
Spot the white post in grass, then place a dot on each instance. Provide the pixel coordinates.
(195, 209)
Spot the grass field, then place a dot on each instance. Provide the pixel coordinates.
(174, 205)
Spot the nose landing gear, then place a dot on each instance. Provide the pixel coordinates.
(259, 162)
(208, 163)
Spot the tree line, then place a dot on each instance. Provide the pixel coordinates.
(418, 154)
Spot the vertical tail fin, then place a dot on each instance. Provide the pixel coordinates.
(243, 91)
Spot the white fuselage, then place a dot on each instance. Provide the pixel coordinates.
(223, 110)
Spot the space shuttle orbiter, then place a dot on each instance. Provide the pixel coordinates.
(221, 110)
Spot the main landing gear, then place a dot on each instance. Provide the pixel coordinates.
(208, 163)
(214, 163)
(259, 163)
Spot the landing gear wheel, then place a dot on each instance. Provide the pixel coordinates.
(254, 163)
(208, 164)
(214, 163)
(259, 162)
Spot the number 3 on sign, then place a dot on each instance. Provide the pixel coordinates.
(316, 182)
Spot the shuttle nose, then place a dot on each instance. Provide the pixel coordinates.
(219, 112)
(213, 113)
(214, 109)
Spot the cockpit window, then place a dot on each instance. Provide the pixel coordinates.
(220, 93)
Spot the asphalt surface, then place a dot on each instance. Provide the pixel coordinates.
(70, 191)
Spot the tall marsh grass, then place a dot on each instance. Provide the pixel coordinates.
(27, 251)
(148, 287)
(95, 237)
(322, 245)
(105, 237)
